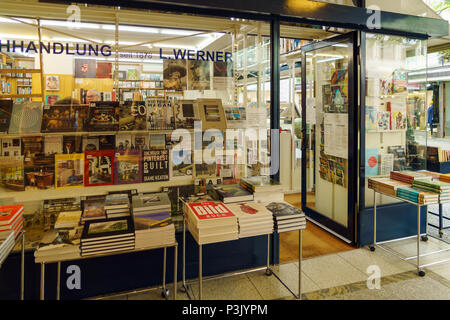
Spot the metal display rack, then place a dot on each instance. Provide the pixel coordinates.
(441, 219)
(20, 238)
(418, 236)
(165, 292)
(269, 270)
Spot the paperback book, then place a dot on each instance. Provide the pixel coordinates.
(128, 166)
(156, 165)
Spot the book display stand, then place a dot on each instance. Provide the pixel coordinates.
(165, 292)
(419, 236)
(4, 255)
(269, 270)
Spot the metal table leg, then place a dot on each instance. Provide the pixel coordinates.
(372, 248)
(175, 262)
(164, 292)
(22, 268)
(184, 256)
(200, 261)
(42, 280)
(58, 281)
(419, 272)
(300, 264)
(441, 222)
(268, 270)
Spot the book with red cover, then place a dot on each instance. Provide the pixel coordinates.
(9, 213)
(204, 211)
(104, 70)
(98, 167)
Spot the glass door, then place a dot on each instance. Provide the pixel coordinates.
(329, 132)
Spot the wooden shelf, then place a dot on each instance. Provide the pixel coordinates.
(20, 71)
(12, 96)
(39, 195)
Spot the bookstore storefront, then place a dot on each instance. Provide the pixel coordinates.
(114, 119)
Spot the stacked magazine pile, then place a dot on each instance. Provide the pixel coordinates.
(409, 176)
(437, 186)
(287, 217)
(210, 222)
(253, 218)
(93, 208)
(386, 185)
(152, 222)
(117, 205)
(108, 235)
(6, 246)
(264, 188)
(57, 245)
(11, 219)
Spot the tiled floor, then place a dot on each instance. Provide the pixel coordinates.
(335, 276)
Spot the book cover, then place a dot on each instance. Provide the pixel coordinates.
(231, 192)
(56, 118)
(246, 210)
(12, 172)
(157, 141)
(398, 120)
(199, 75)
(212, 114)
(142, 141)
(132, 74)
(104, 116)
(16, 118)
(99, 168)
(383, 120)
(160, 114)
(257, 183)
(105, 228)
(174, 74)
(69, 170)
(53, 145)
(11, 147)
(72, 144)
(9, 213)
(186, 113)
(107, 142)
(128, 166)
(371, 162)
(79, 118)
(236, 116)
(85, 68)
(104, 70)
(133, 116)
(6, 107)
(149, 221)
(155, 165)
(31, 148)
(124, 142)
(283, 209)
(386, 163)
(371, 118)
(149, 200)
(90, 143)
(210, 210)
(94, 208)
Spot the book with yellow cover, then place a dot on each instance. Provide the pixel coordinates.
(68, 219)
(69, 170)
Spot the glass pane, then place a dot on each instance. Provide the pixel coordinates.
(396, 107)
(328, 106)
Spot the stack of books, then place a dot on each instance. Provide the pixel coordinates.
(417, 196)
(386, 185)
(229, 193)
(93, 209)
(106, 236)
(210, 222)
(445, 177)
(68, 219)
(409, 176)
(287, 217)
(117, 205)
(11, 219)
(153, 225)
(6, 246)
(437, 186)
(264, 188)
(253, 219)
(58, 245)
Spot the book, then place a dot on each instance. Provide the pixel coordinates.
(142, 141)
(212, 114)
(205, 213)
(16, 118)
(260, 184)
(12, 174)
(371, 118)
(386, 163)
(104, 70)
(157, 141)
(104, 116)
(90, 143)
(31, 148)
(99, 168)
(53, 145)
(371, 162)
(132, 74)
(199, 77)
(69, 170)
(128, 166)
(283, 211)
(398, 120)
(117, 201)
(186, 113)
(26, 118)
(40, 173)
(156, 165)
(160, 114)
(10, 213)
(56, 118)
(6, 107)
(231, 193)
(383, 120)
(72, 144)
(236, 116)
(104, 229)
(124, 142)
(85, 68)
(11, 147)
(68, 219)
(133, 116)
(151, 202)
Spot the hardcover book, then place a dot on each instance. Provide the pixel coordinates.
(72, 144)
(199, 75)
(12, 173)
(204, 211)
(26, 118)
(104, 116)
(157, 141)
(104, 70)
(11, 147)
(186, 113)
(69, 170)
(41, 173)
(133, 116)
(32, 147)
(94, 208)
(56, 118)
(90, 143)
(6, 107)
(231, 193)
(99, 168)
(283, 210)
(148, 221)
(371, 118)
(108, 228)
(107, 142)
(128, 166)
(142, 141)
(155, 165)
(144, 202)
(85, 68)
(160, 114)
(124, 142)
(212, 114)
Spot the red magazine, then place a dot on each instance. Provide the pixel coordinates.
(210, 210)
(9, 213)
(98, 167)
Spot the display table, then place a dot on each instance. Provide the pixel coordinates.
(418, 236)
(4, 256)
(269, 270)
(165, 292)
